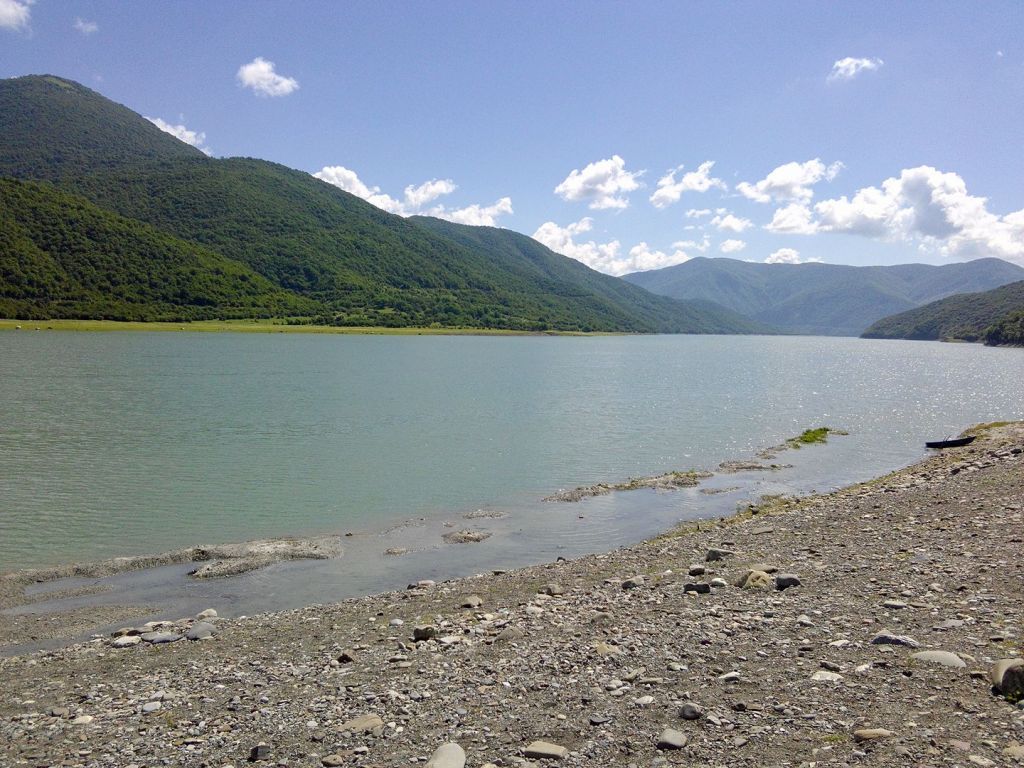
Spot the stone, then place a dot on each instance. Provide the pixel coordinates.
(510, 635)
(784, 581)
(821, 676)
(699, 589)
(1015, 751)
(159, 638)
(670, 738)
(449, 755)
(690, 712)
(361, 724)
(719, 582)
(895, 605)
(151, 706)
(1007, 677)
(471, 601)
(729, 677)
(82, 720)
(60, 712)
(346, 657)
(259, 752)
(201, 630)
(126, 641)
(604, 649)
(333, 760)
(871, 734)
(424, 632)
(887, 638)
(717, 554)
(553, 590)
(984, 762)
(466, 537)
(754, 580)
(633, 583)
(209, 613)
(545, 750)
(697, 570)
(944, 658)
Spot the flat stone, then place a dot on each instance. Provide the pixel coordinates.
(209, 613)
(945, 658)
(698, 588)
(719, 582)
(200, 631)
(871, 734)
(670, 738)
(151, 706)
(82, 720)
(895, 605)
(553, 590)
(786, 580)
(126, 641)
(604, 649)
(362, 724)
(718, 554)
(1016, 751)
(542, 750)
(887, 638)
(821, 676)
(697, 570)
(333, 760)
(158, 638)
(633, 583)
(471, 601)
(449, 755)
(510, 635)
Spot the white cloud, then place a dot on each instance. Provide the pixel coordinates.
(693, 245)
(849, 68)
(642, 258)
(475, 215)
(732, 246)
(259, 75)
(196, 138)
(731, 223)
(788, 256)
(792, 181)
(604, 184)
(922, 205)
(414, 198)
(15, 14)
(794, 219)
(669, 190)
(604, 257)
(697, 213)
(86, 27)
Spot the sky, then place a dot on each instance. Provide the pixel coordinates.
(630, 136)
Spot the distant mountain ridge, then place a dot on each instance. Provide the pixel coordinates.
(994, 317)
(825, 299)
(316, 250)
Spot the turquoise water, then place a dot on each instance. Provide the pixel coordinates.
(125, 443)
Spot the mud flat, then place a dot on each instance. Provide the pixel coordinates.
(866, 631)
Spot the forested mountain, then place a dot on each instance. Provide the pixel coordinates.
(992, 316)
(820, 298)
(338, 258)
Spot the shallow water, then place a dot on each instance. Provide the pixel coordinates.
(127, 443)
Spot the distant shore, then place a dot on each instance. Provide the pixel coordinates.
(854, 626)
(267, 326)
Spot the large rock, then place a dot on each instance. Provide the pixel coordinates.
(1007, 676)
(672, 739)
(201, 630)
(542, 750)
(945, 658)
(158, 638)
(754, 580)
(715, 554)
(786, 580)
(449, 755)
(871, 734)
(362, 724)
(888, 638)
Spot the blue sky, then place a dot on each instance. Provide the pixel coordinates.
(859, 133)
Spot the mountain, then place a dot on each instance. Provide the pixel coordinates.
(342, 260)
(826, 299)
(965, 316)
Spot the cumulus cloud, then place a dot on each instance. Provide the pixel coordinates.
(788, 256)
(604, 257)
(849, 68)
(697, 213)
(259, 75)
(693, 245)
(475, 215)
(731, 223)
(196, 138)
(670, 190)
(643, 258)
(415, 197)
(15, 14)
(86, 27)
(923, 205)
(792, 181)
(603, 184)
(732, 246)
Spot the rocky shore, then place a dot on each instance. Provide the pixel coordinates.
(861, 627)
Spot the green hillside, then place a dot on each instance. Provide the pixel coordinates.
(1009, 330)
(349, 262)
(966, 317)
(62, 257)
(817, 298)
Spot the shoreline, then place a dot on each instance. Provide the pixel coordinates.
(647, 651)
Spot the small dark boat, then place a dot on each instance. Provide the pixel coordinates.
(956, 443)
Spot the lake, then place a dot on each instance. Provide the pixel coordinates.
(126, 443)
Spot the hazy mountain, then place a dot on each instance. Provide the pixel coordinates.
(344, 260)
(819, 298)
(965, 316)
